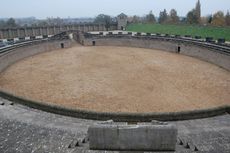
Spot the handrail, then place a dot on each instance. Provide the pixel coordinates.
(224, 48)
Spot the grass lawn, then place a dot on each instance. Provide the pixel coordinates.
(193, 30)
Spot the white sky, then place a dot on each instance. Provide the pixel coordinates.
(91, 8)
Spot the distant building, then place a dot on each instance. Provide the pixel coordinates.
(122, 21)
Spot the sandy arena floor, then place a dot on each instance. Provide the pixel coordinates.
(119, 79)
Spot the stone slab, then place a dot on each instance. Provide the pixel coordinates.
(132, 137)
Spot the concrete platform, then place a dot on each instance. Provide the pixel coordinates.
(144, 137)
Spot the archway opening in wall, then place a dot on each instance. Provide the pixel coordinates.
(178, 49)
(122, 28)
(93, 43)
(62, 45)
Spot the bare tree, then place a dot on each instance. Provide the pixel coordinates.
(227, 19)
(192, 18)
(163, 17)
(198, 11)
(150, 18)
(104, 19)
(218, 19)
(136, 19)
(11, 23)
(173, 17)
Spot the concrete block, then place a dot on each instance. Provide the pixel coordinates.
(166, 35)
(132, 137)
(158, 34)
(197, 37)
(177, 36)
(45, 36)
(21, 39)
(208, 39)
(188, 36)
(32, 37)
(221, 40)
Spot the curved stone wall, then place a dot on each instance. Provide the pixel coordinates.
(119, 117)
(213, 54)
(18, 52)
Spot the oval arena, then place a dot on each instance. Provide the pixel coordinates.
(118, 74)
(71, 81)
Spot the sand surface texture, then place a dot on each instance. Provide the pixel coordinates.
(119, 79)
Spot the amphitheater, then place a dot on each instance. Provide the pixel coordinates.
(61, 85)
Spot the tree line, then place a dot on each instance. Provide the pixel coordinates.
(11, 23)
(192, 17)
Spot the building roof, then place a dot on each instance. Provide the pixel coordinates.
(122, 15)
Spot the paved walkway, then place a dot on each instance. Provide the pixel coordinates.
(26, 130)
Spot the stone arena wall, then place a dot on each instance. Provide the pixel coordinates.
(11, 33)
(18, 53)
(212, 55)
(209, 54)
(118, 117)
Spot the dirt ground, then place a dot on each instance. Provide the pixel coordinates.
(119, 79)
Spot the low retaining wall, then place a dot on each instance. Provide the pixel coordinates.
(215, 56)
(201, 50)
(18, 53)
(118, 117)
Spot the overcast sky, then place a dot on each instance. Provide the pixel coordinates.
(91, 8)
